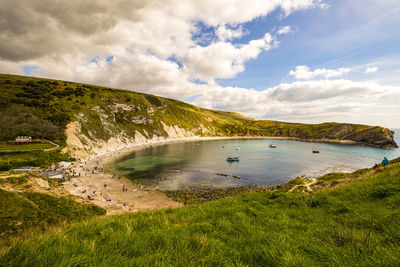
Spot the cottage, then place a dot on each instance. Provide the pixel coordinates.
(23, 139)
(26, 140)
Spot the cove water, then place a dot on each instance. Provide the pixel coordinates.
(203, 164)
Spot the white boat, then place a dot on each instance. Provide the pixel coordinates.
(272, 146)
(237, 148)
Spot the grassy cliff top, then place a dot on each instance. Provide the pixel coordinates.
(351, 223)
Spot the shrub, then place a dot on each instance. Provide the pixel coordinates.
(383, 192)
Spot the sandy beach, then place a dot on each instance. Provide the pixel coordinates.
(106, 190)
(91, 182)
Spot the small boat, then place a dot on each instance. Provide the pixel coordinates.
(315, 151)
(232, 159)
(272, 146)
(237, 148)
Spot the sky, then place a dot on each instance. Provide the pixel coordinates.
(308, 61)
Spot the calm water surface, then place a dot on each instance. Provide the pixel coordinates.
(203, 164)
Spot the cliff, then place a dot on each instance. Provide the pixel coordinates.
(87, 119)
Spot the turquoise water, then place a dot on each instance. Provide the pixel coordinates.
(203, 164)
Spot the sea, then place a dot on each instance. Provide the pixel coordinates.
(203, 164)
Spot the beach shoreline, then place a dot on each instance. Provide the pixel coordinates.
(93, 178)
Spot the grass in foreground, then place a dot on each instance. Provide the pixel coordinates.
(353, 224)
(24, 209)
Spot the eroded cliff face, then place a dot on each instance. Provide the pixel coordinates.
(82, 142)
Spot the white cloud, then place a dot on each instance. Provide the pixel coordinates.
(304, 72)
(371, 69)
(308, 101)
(223, 59)
(307, 91)
(56, 32)
(284, 30)
(223, 33)
(63, 37)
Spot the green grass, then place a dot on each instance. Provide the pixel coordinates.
(26, 211)
(32, 158)
(353, 224)
(5, 147)
(195, 196)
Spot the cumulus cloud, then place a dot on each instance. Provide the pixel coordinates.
(149, 46)
(371, 69)
(40, 32)
(307, 91)
(223, 59)
(304, 73)
(223, 33)
(305, 100)
(284, 30)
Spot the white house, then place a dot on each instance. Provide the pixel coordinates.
(23, 139)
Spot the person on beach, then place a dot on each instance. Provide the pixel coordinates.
(123, 188)
(385, 161)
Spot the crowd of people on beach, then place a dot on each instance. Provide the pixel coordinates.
(92, 166)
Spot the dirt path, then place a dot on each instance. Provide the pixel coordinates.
(52, 143)
(107, 192)
(311, 181)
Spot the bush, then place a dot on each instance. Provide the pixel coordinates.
(383, 192)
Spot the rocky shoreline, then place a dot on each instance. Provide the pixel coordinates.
(195, 196)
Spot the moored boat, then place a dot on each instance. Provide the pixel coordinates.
(272, 146)
(232, 159)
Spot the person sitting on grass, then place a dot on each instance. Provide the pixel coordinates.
(385, 161)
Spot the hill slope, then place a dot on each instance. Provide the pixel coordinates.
(31, 203)
(355, 223)
(89, 119)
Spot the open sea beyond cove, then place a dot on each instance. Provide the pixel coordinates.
(204, 164)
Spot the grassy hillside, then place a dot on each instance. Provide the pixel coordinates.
(353, 223)
(28, 207)
(45, 108)
(40, 107)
